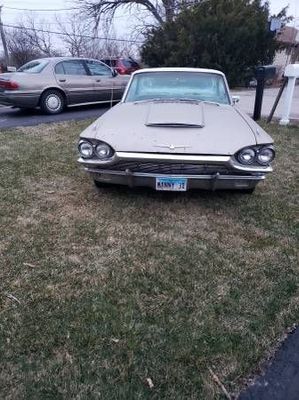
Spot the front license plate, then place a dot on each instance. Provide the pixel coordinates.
(172, 184)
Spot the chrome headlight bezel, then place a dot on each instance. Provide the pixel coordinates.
(103, 151)
(262, 151)
(256, 155)
(243, 152)
(86, 144)
(94, 146)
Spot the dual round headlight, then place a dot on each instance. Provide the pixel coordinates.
(102, 150)
(250, 155)
(265, 155)
(85, 149)
(246, 156)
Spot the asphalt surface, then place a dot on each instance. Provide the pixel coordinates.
(247, 98)
(281, 379)
(13, 117)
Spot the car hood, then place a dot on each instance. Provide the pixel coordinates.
(172, 127)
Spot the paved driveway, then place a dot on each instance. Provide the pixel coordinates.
(280, 381)
(247, 98)
(12, 117)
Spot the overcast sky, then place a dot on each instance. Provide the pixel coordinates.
(123, 22)
(10, 15)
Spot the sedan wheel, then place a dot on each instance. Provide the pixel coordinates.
(52, 102)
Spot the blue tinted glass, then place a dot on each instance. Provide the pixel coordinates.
(178, 85)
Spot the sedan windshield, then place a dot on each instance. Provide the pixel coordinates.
(33, 67)
(198, 86)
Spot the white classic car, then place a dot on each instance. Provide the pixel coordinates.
(177, 129)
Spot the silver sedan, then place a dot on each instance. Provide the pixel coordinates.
(55, 83)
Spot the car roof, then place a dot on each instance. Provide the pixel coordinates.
(116, 58)
(53, 59)
(179, 69)
(58, 58)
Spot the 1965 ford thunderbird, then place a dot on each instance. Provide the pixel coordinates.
(177, 129)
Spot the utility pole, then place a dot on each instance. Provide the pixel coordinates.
(2, 33)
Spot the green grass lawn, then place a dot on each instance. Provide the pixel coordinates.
(117, 286)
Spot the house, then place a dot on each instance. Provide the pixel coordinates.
(288, 37)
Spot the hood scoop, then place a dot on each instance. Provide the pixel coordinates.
(175, 115)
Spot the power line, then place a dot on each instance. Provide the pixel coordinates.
(42, 9)
(65, 34)
(174, 8)
(55, 10)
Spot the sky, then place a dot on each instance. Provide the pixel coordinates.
(123, 22)
(277, 5)
(11, 15)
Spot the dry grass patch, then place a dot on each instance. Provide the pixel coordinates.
(117, 286)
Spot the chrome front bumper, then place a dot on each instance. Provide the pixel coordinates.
(241, 177)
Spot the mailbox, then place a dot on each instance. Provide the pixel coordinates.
(262, 73)
(265, 72)
(292, 73)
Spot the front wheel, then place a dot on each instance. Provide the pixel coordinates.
(52, 102)
(247, 191)
(100, 185)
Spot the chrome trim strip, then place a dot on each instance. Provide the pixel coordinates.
(145, 175)
(93, 102)
(186, 158)
(123, 155)
(157, 157)
(141, 157)
(250, 168)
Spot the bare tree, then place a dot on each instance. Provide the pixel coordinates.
(38, 36)
(76, 35)
(83, 39)
(109, 46)
(161, 10)
(30, 39)
(21, 51)
(80, 37)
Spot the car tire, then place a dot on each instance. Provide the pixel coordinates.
(247, 191)
(52, 102)
(100, 185)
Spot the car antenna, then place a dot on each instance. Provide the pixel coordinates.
(112, 90)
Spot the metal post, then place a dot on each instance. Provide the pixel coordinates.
(288, 101)
(259, 98)
(2, 33)
(284, 83)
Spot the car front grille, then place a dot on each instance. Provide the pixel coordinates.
(169, 168)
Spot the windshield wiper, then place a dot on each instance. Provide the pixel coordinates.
(198, 101)
(158, 99)
(176, 100)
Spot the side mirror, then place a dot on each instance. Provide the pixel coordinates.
(114, 73)
(235, 99)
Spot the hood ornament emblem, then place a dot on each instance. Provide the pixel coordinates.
(172, 146)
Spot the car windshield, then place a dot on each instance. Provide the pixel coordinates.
(33, 67)
(198, 86)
